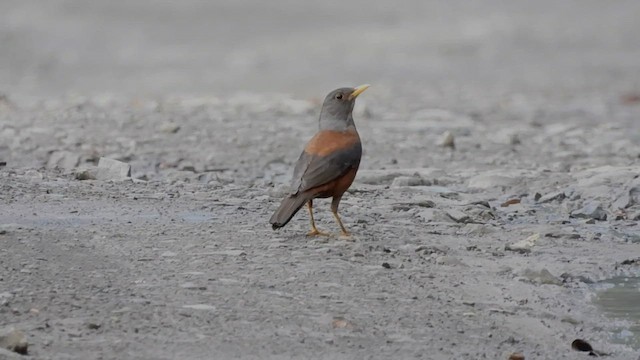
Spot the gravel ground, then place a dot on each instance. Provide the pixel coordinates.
(477, 251)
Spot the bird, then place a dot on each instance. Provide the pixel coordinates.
(329, 162)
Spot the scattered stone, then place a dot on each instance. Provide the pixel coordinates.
(169, 128)
(524, 246)
(447, 140)
(431, 249)
(63, 160)
(188, 167)
(435, 215)
(592, 210)
(570, 320)
(411, 205)
(510, 202)
(200, 307)
(93, 326)
(476, 229)
(341, 323)
(5, 297)
(14, 340)
(501, 311)
(192, 286)
(543, 277)
(516, 356)
(416, 180)
(34, 174)
(624, 262)
(449, 260)
(458, 216)
(628, 197)
(382, 177)
(109, 169)
(386, 265)
(567, 277)
(581, 345)
(87, 174)
(3, 163)
(481, 213)
(554, 196)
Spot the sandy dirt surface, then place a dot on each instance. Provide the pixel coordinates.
(476, 252)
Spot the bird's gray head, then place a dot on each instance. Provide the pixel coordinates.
(337, 108)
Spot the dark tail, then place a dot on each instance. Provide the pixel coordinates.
(289, 207)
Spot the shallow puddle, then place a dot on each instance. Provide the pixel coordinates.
(619, 298)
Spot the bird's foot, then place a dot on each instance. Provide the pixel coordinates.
(316, 232)
(345, 235)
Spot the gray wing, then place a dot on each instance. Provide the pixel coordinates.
(314, 170)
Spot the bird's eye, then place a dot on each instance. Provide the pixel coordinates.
(339, 96)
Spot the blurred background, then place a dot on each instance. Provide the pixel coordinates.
(410, 48)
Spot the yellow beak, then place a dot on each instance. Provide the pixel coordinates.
(358, 90)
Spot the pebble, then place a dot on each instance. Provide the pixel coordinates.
(476, 229)
(432, 249)
(628, 197)
(402, 181)
(384, 177)
(554, 196)
(458, 216)
(449, 260)
(447, 140)
(86, 174)
(543, 277)
(524, 246)
(569, 320)
(13, 340)
(5, 297)
(192, 286)
(169, 128)
(592, 210)
(562, 234)
(109, 169)
(435, 215)
(341, 323)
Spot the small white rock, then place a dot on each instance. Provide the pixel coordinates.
(447, 140)
(109, 169)
(524, 246)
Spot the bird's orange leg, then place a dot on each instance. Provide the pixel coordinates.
(334, 209)
(314, 230)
